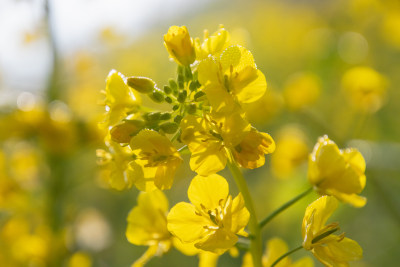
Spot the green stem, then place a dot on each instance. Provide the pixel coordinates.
(285, 255)
(283, 207)
(255, 245)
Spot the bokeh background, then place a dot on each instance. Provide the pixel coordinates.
(332, 67)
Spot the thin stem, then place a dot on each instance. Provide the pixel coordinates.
(285, 255)
(284, 207)
(255, 241)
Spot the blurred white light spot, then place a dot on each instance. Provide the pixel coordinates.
(59, 111)
(92, 230)
(26, 101)
(352, 47)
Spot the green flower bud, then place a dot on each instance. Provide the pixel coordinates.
(141, 84)
(167, 89)
(168, 100)
(173, 84)
(157, 96)
(165, 116)
(199, 95)
(192, 108)
(182, 96)
(169, 127)
(152, 116)
(178, 119)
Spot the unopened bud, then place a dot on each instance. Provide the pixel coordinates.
(182, 96)
(169, 127)
(141, 84)
(157, 96)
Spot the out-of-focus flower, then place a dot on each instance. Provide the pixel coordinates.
(391, 28)
(147, 225)
(336, 172)
(179, 45)
(330, 249)
(301, 90)
(156, 161)
(365, 89)
(80, 259)
(276, 247)
(213, 220)
(291, 151)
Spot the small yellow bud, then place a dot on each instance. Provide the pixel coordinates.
(179, 45)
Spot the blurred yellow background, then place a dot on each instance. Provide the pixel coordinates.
(332, 67)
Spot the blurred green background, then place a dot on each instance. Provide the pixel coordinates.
(56, 208)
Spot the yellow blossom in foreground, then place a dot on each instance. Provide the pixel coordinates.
(336, 172)
(212, 45)
(235, 72)
(179, 45)
(330, 249)
(147, 225)
(276, 247)
(365, 89)
(156, 161)
(213, 220)
(116, 165)
(120, 99)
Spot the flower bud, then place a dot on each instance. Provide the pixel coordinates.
(122, 133)
(157, 96)
(169, 127)
(141, 84)
(179, 45)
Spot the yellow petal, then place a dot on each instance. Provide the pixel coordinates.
(303, 262)
(238, 215)
(186, 248)
(338, 253)
(147, 221)
(218, 241)
(353, 199)
(318, 213)
(236, 58)
(208, 191)
(142, 178)
(184, 223)
(249, 85)
(208, 160)
(208, 71)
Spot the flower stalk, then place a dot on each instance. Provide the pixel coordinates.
(284, 207)
(255, 231)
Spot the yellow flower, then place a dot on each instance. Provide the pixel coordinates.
(301, 90)
(213, 220)
(179, 45)
(235, 72)
(156, 161)
(365, 89)
(251, 150)
(330, 249)
(119, 101)
(212, 45)
(336, 172)
(291, 152)
(147, 225)
(276, 247)
(116, 165)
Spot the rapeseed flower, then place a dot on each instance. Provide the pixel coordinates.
(365, 89)
(213, 220)
(235, 72)
(147, 225)
(179, 45)
(337, 172)
(120, 99)
(332, 250)
(156, 161)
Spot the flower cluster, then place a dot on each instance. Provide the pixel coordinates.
(215, 80)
